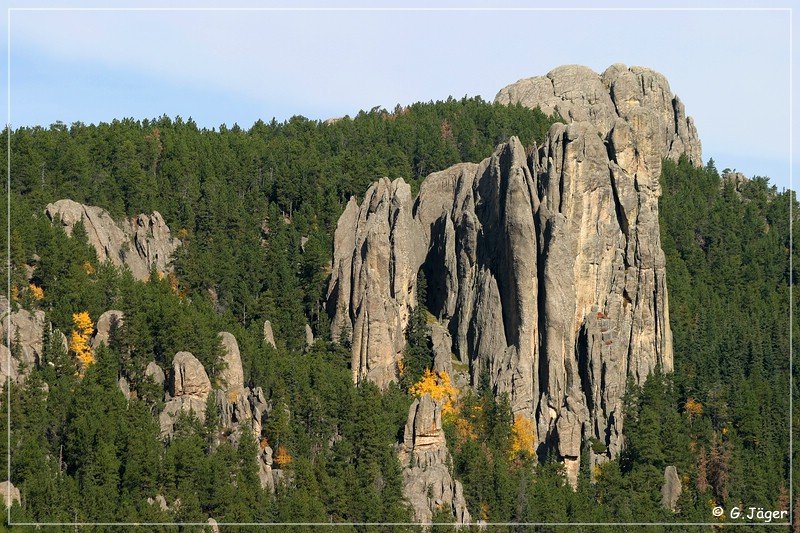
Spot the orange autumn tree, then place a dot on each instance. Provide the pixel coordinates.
(282, 457)
(36, 292)
(439, 387)
(79, 339)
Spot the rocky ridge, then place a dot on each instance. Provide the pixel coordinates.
(544, 265)
(140, 243)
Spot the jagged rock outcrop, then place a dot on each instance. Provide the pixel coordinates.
(9, 493)
(428, 484)
(737, 179)
(269, 337)
(655, 120)
(238, 405)
(269, 477)
(107, 325)
(141, 243)
(375, 264)
(671, 489)
(544, 265)
(27, 329)
(189, 389)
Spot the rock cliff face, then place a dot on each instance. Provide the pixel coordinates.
(142, 242)
(427, 482)
(544, 265)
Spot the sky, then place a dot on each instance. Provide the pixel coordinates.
(730, 68)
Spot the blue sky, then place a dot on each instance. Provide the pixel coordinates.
(731, 68)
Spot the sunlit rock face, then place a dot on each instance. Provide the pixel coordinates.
(544, 263)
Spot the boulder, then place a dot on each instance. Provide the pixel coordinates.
(107, 325)
(9, 367)
(154, 371)
(160, 500)
(441, 345)
(376, 257)
(188, 377)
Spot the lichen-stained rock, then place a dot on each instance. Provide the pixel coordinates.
(189, 390)
(428, 484)
(378, 248)
(141, 243)
(107, 325)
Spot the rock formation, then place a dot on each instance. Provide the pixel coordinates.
(107, 325)
(238, 405)
(27, 328)
(544, 265)
(141, 243)
(309, 336)
(656, 125)
(269, 337)
(671, 489)
(188, 391)
(9, 493)
(375, 264)
(428, 484)
(154, 371)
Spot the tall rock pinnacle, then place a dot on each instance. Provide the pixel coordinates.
(545, 264)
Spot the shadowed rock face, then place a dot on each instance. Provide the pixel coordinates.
(545, 266)
(142, 242)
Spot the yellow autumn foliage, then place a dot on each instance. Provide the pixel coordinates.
(79, 339)
(523, 436)
(282, 457)
(439, 387)
(694, 408)
(36, 292)
(88, 268)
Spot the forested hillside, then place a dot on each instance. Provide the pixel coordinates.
(255, 211)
